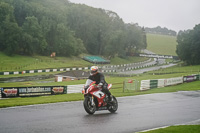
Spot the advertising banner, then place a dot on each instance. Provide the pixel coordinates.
(189, 78)
(198, 77)
(58, 90)
(9, 92)
(153, 84)
(173, 81)
(34, 91)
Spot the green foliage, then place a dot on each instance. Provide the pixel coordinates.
(9, 30)
(188, 48)
(159, 30)
(42, 27)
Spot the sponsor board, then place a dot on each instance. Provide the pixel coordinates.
(58, 90)
(189, 78)
(9, 92)
(157, 56)
(173, 81)
(31, 91)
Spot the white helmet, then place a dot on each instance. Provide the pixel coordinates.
(94, 70)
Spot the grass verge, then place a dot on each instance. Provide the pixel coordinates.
(118, 92)
(177, 129)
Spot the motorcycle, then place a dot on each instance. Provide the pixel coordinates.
(96, 100)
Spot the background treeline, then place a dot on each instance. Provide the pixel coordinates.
(40, 27)
(188, 48)
(160, 30)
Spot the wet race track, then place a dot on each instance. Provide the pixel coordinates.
(135, 113)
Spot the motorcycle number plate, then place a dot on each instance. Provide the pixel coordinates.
(98, 94)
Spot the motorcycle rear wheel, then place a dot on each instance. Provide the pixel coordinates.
(89, 108)
(113, 106)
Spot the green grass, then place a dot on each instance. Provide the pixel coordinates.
(39, 100)
(117, 60)
(161, 44)
(178, 69)
(20, 63)
(178, 129)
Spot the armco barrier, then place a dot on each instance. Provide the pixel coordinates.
(32, 91)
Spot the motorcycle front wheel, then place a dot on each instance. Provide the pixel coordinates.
(113, 106)
(89, 106)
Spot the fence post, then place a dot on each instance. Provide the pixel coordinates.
(0, 93)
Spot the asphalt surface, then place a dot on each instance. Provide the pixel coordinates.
(135, 113)
(140, 71)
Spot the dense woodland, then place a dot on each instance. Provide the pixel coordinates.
(44, 26)
(188, 48)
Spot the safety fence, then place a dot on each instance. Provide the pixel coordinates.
(45, 70)
(130, 85)
(32, 91)
(105, 68)
(158, 83)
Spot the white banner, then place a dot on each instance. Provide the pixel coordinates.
(173, 81)
(75, 88)
(161, 83)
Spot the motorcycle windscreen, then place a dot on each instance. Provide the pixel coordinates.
(88, 82)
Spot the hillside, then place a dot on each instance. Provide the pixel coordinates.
(19, 62)
(161, 44)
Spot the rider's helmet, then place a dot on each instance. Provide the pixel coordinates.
(93, 70)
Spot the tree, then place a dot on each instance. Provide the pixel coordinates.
(9, 30)
(188, 48)
(32, 31)
(46, 26)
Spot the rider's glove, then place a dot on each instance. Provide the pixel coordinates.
(100, 85)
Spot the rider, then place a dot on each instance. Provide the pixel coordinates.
(100, 80)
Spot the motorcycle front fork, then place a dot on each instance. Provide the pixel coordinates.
(92, 100)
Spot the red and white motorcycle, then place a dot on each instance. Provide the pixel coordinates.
(96, 100)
